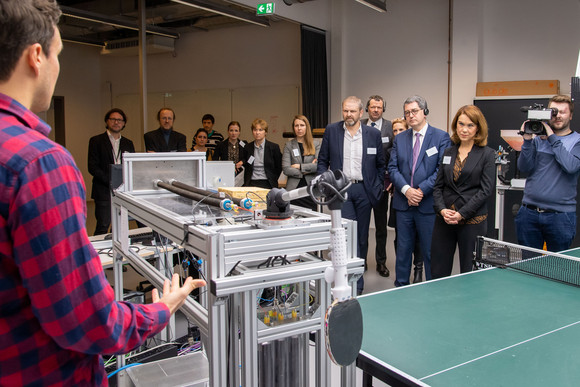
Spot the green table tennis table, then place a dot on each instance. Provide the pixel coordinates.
(492, 327)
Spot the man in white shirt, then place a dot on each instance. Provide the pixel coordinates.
(355, 149)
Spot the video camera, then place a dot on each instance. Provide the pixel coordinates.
(536, 115)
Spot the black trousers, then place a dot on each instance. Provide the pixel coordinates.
(446, 237)
(380, 212)
(103, 215)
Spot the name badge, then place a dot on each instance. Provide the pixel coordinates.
(242, 144)
(432, 151)
(447, 160)
(296, 152)
(251, 160)
(385, 140)
(372, 151)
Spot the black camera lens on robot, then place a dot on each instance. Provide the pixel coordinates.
(536, 115)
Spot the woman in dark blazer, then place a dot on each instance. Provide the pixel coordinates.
(465, 180)
(232, 148)
(263, 164)
(299, 160)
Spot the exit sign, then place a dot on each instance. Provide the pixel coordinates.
(265, 9)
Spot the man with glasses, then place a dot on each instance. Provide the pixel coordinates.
(413, 167)
(106, 149)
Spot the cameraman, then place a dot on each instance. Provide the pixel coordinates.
(548, 211)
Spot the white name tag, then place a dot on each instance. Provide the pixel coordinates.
(446, 159)
(432, 151)
(385, 140)
(372, 151)
(251, 160)
(296, 152)
(242, 144)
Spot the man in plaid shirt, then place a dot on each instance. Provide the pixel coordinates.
(57, 310)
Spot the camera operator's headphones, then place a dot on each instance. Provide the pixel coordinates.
(376, 98)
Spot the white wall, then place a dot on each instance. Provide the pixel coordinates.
(530, 39)
(225, 58)
(394, 54)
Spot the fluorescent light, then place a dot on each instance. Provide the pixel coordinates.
(223, 11)
(86, 43)
(115, 22)
(377, 5)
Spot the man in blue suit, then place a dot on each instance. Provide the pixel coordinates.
(357, 150)
(413, 167)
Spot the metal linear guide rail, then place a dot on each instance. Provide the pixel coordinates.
(233, 247)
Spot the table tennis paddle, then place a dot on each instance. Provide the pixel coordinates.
(343, 330)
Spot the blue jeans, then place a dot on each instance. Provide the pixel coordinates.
(557, 229)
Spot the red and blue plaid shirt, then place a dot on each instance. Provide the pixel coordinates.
(58, 313)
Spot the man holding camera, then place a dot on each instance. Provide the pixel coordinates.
(552, 160)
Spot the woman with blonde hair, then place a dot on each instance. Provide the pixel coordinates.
(300, 159)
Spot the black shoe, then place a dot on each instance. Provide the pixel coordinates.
(382, 270)
(418, 277)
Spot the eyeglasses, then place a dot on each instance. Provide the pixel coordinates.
(116, 120)
(413, 112)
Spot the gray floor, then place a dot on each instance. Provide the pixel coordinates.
(373, 281)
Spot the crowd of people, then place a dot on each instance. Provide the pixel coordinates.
(437, 183)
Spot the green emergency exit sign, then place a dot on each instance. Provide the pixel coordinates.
(265, 9)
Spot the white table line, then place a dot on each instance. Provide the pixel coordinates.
(500, 350)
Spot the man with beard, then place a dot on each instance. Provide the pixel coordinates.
(357, 150)
(106, 149)
(165, 139)
(548, 211)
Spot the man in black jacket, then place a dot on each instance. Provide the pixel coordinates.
(106, 149)
(165, 139)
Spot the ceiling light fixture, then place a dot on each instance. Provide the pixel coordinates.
(377, 5)
(115, 22)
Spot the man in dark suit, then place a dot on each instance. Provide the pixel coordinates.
(375, 109)
(165, 139)
(263, 164)
(104, 150)
(413, 167)
(356, 149)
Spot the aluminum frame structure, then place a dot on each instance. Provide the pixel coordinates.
(227, 312)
